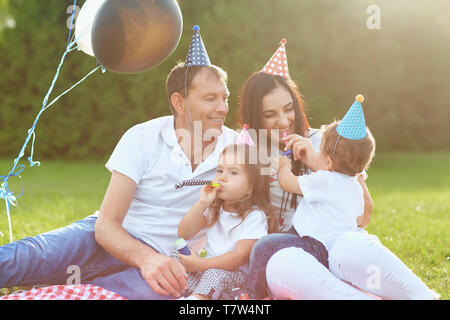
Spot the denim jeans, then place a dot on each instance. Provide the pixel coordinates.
(51, 258)
(265, 247)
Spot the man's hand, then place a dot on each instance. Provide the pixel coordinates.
(165, 275)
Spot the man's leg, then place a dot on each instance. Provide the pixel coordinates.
(45, 258)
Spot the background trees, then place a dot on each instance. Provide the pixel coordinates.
(402, 70)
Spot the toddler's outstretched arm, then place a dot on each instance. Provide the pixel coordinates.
(363, 220)
(287, 180)
(302, 149)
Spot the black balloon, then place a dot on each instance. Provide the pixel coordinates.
(130, 36)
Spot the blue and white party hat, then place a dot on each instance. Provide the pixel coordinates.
(353, 125)
(197, 55)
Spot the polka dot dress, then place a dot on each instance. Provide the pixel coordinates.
(214, 282)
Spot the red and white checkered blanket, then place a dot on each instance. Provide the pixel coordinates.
(79, 292)
(65, 292)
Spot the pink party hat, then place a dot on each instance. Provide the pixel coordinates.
(277, 65)
(244, 136)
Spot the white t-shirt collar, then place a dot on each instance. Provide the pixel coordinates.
(170, 137)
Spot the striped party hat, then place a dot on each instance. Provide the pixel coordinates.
(277, 64)
(353, 125)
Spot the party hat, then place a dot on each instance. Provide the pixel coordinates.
(244, 136)
(353, 125)
(277, 64)
(197, 55)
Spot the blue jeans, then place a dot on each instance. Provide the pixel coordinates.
(266, 247)
(45, 259)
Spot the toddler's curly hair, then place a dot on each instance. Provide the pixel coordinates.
(349, 157)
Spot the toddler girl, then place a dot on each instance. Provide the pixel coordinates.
(236, 214)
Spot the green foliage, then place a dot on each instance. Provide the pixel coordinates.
(402, 69)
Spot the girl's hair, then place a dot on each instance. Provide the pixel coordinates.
(349, 157)
(258, 197)
(257, 86)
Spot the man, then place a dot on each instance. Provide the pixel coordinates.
(126, 248)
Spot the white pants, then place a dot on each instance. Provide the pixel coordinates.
(358, 258)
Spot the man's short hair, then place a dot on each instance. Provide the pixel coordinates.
(349, 157)
(182, 75)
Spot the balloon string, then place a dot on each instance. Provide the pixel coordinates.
(5, 193)
(9, 197)
(73, 86)
(9, 221)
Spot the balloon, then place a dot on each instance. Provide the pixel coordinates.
(83, 25)
(130, 36)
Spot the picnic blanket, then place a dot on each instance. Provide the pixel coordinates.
(73, 292)
(65, 292)
(80, 292)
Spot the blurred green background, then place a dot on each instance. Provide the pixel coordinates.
(402, 69)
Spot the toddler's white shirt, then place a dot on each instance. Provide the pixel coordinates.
(229, 228)
(330, 205)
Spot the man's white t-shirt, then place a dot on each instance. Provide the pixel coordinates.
(150, 155)
(229, 228)
(330, 205)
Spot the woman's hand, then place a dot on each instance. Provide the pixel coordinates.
(192, 262)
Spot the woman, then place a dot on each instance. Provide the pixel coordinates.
(271, 100)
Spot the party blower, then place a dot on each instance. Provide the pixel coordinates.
(197, 183)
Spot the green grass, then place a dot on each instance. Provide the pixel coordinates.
(411, 215)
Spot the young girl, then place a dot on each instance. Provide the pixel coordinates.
(331, 205)
(236, 214)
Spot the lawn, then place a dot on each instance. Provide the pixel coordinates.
(411, 215)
